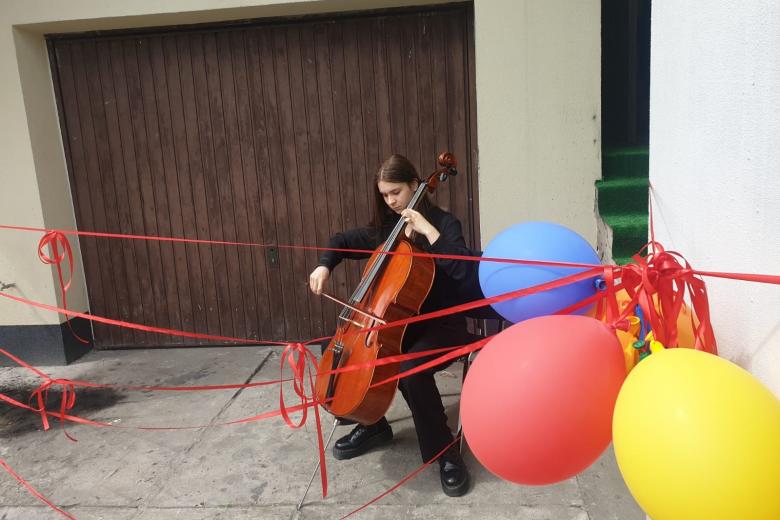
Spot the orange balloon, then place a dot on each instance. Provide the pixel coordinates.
(686, 321)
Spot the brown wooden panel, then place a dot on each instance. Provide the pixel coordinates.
(317, 176)
(300, 156)
(267, 133)
(128, 186)
(211, 183)
(196, 206)
(294, 261)
(140, 121)
(278, 179)
(331, 174)
(234, 202)
(172, 222)
(131, 307)
(345, 195)
(80, 186)
(92, 129)
(170, 93)
(252, 231)
(274, 322)
(455, 80)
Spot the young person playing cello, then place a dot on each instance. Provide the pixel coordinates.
(434, 231)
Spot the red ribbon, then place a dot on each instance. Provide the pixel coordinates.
(55, 239)
(422, 317)
(32, 490)
(42, 392)
(137, 326)
(645, 269)
(511, 295)
(66, 403)
(155, 238)
(658, 283)
(749, 277)
(403, 480)
(662, 275)
(296, 356)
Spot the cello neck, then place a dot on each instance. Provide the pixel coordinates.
(448, 165)
(389, 244)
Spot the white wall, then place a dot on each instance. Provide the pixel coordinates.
(715, 161)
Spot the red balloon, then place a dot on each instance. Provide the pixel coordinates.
(537, 403)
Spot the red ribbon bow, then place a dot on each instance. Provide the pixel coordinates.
(41, 394)
(658, 283)
(55, 240)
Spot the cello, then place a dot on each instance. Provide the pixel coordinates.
(392, 287)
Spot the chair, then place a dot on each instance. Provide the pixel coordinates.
(485, 322)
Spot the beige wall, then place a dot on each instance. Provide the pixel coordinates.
(538, 99)
(21, 198)
(539, 112)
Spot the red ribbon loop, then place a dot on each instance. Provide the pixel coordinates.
(296, 356)
(55, 240)
(68, 400)
(658, 283)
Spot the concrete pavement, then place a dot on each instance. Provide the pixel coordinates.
(254, 470)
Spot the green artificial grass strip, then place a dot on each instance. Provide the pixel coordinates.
(623, 260)
(624, 183)
(629, 233)
(631, 223)
(622, 196)
(623, 199)
(625, 162)
(627, 246)
(626, 151)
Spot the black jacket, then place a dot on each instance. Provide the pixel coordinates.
(455, 281)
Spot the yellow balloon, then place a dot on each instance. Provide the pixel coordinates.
(697, 437)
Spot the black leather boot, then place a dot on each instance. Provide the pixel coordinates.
(363, 438)
(454, 474)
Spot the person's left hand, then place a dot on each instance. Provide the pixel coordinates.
(418, 223)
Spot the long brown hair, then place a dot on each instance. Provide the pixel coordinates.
(397, 169)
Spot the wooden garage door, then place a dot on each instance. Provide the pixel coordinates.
(266, 133)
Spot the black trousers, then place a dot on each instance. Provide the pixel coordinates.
(420, 390)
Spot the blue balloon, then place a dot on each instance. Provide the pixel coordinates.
(537, 241)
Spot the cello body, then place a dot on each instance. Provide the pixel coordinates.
(398, 293)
